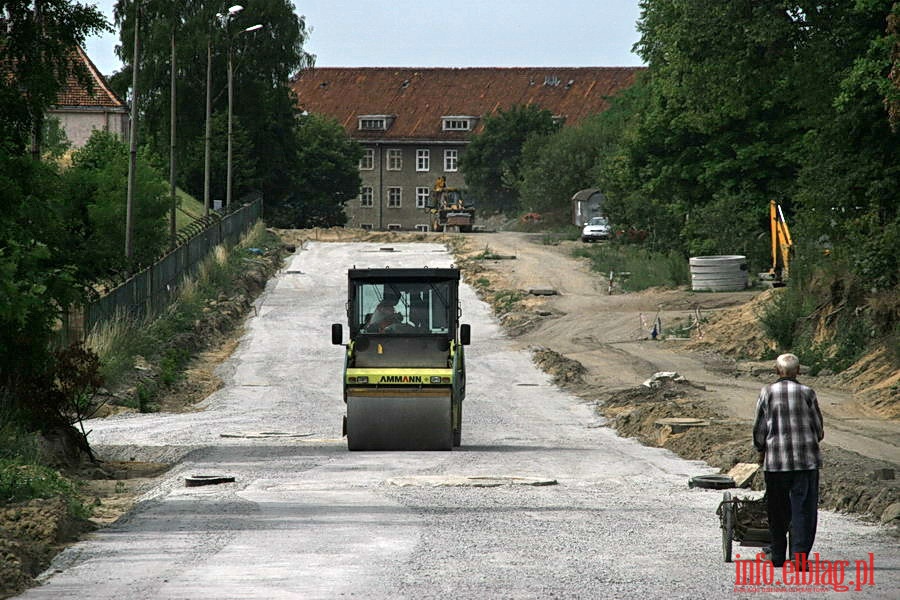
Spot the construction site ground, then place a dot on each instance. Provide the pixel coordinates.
(599, 344)
(596, 346)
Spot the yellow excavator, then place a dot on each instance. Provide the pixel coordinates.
(782, 247)
(448, 209)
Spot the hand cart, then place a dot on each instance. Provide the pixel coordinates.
(743, 520)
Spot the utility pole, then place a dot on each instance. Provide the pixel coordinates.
(174, 207)
(132, 132)
(230, 97)
(206, 135)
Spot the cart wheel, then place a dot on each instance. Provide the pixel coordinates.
(727, 525)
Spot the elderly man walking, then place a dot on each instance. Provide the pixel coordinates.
(787, 433)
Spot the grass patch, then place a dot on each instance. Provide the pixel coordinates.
(189, 209)
(506, 301)
(646, 269)
(488, 254)
(165, 344)
(21, 481)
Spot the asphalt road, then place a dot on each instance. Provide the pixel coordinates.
(305, 518)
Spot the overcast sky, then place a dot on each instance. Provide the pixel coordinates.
(452, 33)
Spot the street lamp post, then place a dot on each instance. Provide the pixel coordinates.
(230, 102)
(174, 198)
(206, 134)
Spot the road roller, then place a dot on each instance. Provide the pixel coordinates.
(404, 363)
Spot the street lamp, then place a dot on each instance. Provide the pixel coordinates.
(223, 19)
(230, 102)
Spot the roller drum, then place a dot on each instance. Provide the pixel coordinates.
(395, 420)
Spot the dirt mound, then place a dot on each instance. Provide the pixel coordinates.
(878, 382)
(652, 415)
(736, 332)
(846, 482)
(31, 533)
(565, 371)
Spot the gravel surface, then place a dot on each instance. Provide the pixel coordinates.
(308, 519)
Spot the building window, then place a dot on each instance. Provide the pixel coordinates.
(422, 228)
(423, 160)
(451, 160)
(457, 123)
(395, 197)
(394, 159)
(374, 122)
(422, 194)
(394, 227)
(365, 226)
(366, 197)
(367, 162)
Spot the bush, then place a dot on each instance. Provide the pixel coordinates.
(780, 317)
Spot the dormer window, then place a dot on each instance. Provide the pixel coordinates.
(375, 122)
(458, 123)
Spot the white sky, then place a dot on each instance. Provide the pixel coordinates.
(452, 33)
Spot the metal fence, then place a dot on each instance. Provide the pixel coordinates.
(151, 290)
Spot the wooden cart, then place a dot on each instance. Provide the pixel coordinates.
(743, 520)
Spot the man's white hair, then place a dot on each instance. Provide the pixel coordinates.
(787, 365)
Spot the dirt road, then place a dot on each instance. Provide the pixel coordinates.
(608, 334)
(305, 518)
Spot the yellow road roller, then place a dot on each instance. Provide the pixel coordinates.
(404, 365)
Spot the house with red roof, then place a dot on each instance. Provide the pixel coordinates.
(414, 123)
(81, 109)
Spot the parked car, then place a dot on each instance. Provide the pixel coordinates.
(596, 229)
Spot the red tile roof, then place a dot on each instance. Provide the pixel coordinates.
(75, 94)
(419, 97)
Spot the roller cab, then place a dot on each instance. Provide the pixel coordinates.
(404, 370)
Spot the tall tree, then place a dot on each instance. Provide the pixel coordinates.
(262, 62)
(556, 166)
(492, 160)
(325, 178)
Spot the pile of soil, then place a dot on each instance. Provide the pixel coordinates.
(846, 481)
(31, 533)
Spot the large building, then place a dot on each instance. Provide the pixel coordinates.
(414, 123)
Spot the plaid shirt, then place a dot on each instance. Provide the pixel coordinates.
(788, 427)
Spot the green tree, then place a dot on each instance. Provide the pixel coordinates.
(95, 209)
(35, 282)
(556, 166)
(262, 61)
(326, 176)
(245, 170)
(37, 43)
(492, 160)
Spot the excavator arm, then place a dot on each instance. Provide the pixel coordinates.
(782, 244)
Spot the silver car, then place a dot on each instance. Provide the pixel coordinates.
(595, 229)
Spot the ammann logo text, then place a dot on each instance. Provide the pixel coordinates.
(400, 379)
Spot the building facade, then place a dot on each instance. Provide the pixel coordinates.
(414, 124)
(81, 110)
